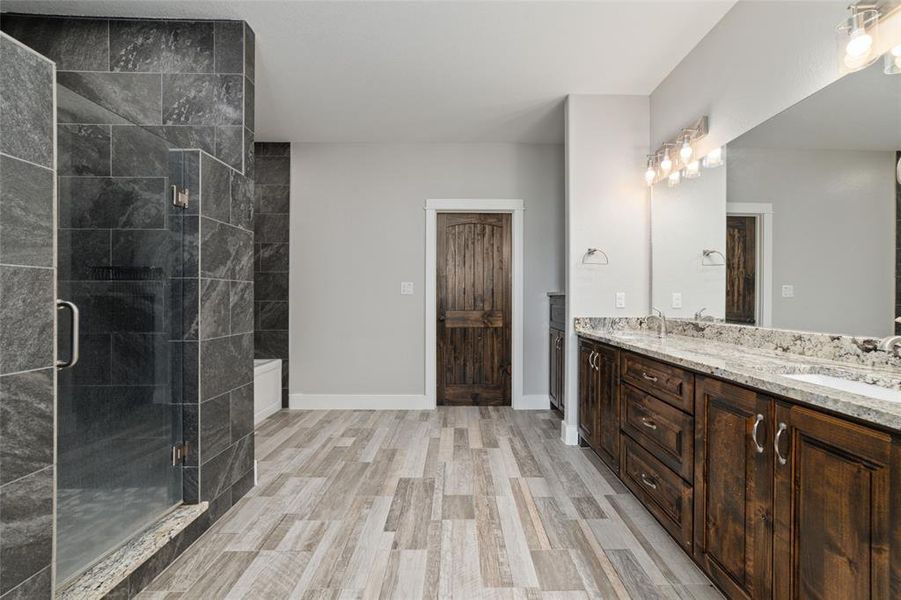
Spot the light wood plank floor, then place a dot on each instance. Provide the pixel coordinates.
(460, 502)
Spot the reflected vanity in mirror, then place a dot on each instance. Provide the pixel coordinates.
(798, 229)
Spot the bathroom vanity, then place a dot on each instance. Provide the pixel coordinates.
(777, 485)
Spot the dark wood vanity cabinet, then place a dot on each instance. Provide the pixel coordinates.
(599, 400)
(772, 499)
(557, 351)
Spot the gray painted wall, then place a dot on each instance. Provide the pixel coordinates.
(358, 230)
(27, 323)
(833, 234)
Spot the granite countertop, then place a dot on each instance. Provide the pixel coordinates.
(764, 369)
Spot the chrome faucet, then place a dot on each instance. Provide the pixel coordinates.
(661, 321)
(892, 343)
(700, 314)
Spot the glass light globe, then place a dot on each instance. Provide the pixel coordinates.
(666, 165)
(674, 178)
(693, 169)
(686, 151)
(859, 43)
(714, 159)
(650, 175)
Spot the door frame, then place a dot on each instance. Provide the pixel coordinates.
(514, 207)
(763, 211)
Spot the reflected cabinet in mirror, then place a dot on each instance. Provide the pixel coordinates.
(799, 228)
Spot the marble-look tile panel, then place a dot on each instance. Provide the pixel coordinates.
(26, 212)
(26, 527)
(215, 308)
(273, 316)
(94, 366)
(161, 46)
(81, 250)
(241, 299)
(227, 251)
(154, 248)
(271, 286)
(113, 306)
(241, 412)
(225, 364)
(274, 198)
(229, 46)
(83, 149)
(270, 228)
(230, 146)
(185, 322)
(215, 427)
(199, 99)
(242, 188)
(38, 585)
(112, 203)
(139, 358)
(26, 318)
(248, 154)
(73, 44)
(273, 149)
(144, 150)
(274, 257)
(26, 104)
(134, 97)
(249, 52)
(273, 170)
(751, 361)
(216, 189)
(26, 423)
(186, 238)
(226, 468)
(249, 117)
(270, 344)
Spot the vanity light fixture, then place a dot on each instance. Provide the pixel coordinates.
(893, 61)
(666, 163)
(674, 179)
(650, 175)
(713, 159)
(675, 155)
(857, 37)
(693, 169)
(686, 151)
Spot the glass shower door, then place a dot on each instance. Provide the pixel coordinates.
(119, 259)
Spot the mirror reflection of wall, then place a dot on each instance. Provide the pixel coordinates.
(808, 208)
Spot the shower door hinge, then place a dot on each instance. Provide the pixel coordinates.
(180, 197)
(179, 453)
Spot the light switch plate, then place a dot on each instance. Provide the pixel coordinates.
(677, 300)
(620, 299)
(788, 291)
(406, 288)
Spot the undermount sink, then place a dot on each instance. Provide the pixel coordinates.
(848, 385)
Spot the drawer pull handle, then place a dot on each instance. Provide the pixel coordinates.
(648, 423)
(757, 444)
(648, 481)
(650, 378)
(779, 431)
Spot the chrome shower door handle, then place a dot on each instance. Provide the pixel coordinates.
(74, 337)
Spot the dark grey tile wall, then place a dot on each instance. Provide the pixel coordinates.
(191, 79)
(27, 323)
(272, 204)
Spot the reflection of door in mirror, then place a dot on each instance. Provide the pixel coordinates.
(741, 269)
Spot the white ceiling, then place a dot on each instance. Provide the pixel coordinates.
(436, 71)
(861, 111)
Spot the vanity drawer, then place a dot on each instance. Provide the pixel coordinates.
(661, 491)
(666, 432)
(667, 383)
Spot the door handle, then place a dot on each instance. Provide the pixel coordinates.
(442, 318)
(650, 378)
(74, 337)
(758, 446)
(779, 431)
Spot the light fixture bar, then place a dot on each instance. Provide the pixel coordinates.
(676, 154)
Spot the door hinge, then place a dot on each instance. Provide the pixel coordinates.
(180, 453)
(180, 197)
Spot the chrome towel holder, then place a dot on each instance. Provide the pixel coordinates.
(592, 252)
(708, 253)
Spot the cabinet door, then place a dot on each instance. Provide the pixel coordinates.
(734, 487)
(587, 404)
(561, 370)
(554, 374)
(833, 510)
(607, 401)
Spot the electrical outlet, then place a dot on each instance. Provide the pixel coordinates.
(406, 288)
(620, 299)
(677, 300)
(788, 291)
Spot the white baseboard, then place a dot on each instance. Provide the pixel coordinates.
(358, 402)
(569, 434)
(533, 402)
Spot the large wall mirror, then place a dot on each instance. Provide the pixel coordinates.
(800, 228)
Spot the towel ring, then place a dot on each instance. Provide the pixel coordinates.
(708, 253)
(586, 258)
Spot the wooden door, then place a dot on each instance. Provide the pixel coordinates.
(734, 487)
(555, 383)
(606, 397)
(741, 269)
(474, 308)
(833, 511)
(587, 383)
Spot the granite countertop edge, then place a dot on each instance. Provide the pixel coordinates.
(881, 413)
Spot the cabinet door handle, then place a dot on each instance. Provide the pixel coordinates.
(648, 423)
(648, 481)
(779, 431)
(650, 378)
(757, 445)
(591, 359)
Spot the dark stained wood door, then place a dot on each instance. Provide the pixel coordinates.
(557, 372)
(733, 538)
(741, 269)
(588, 429)
(834, 512)
(606, 397)
(474, 308)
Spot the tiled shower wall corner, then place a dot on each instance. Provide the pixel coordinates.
(191, 81)
(272, 204)
(219, 423)
(27, 323)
